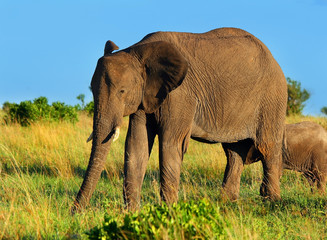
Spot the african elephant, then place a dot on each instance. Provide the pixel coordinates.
(220, 86)
(305, 151)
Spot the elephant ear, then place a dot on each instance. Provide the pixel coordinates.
(110, 47)
(164, 70)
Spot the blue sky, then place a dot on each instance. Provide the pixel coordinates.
(50, 48)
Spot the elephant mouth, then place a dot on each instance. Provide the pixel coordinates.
(114, 134)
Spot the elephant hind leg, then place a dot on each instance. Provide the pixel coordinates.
(237, 156)
(272, 170)
(232, 176)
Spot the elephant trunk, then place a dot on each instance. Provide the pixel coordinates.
(103, 134)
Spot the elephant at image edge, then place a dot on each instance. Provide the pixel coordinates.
(220, 86)
(305, 151)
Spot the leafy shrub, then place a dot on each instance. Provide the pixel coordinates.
(28, 112)
(186, 220)
(61, 111)
(89, 108)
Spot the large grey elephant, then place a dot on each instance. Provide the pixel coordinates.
(305, 151)
(220, 86)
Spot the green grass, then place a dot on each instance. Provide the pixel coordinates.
(42, 167)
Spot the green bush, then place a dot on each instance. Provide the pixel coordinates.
(89, 108)
(61, 111)
(186, 220)
(28, 112)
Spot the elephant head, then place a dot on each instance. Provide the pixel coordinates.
(139, 77)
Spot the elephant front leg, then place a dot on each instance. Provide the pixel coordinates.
(170, 167)
(172, 147)
(233, 171)
(138, 145)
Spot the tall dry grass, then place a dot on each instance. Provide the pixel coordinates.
(33, 160)
(41, 170)
(51, 148)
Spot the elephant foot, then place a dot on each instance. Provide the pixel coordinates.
(132, 207)
(131, 203)
(169, 197)
(229, 196)
(268, 193)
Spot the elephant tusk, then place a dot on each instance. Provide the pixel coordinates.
(116, 134)
(90, 137)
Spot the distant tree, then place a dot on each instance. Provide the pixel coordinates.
(81, 97)
(324, 110)
(296, 97)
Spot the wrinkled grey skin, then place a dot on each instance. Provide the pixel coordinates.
(305, 151)
(220, 86)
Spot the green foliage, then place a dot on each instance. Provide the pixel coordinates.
(296, 97)
(28, 112)
(61, 111)
(89, 108)
(324, 110)
(185, 220)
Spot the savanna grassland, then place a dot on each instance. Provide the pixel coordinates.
(42, 167)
